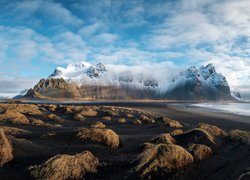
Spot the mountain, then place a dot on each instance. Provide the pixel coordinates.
(100, 82)
(199, 83)
(21, 93)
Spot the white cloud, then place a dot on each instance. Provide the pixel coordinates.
(39, 13)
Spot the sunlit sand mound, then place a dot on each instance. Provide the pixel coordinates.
(176, 132)
(14, 131)
(240, 135)
(122, 120)
(13, 117)
(165, 138)
(27, 109)
(211, 129)
(40, 123)
(161, 158)
(103, 136)
(172, 123)
(55, 118)
(66, 167)
(195, 136)
(97, 125)
(200, 151)
(89, 111)
(146, 119)
(107, 118)
(137, 122)
(5, 149)
(79, 117)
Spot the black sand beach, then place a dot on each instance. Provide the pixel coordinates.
(42, 143)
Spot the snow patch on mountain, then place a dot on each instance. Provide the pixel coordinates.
(98, 74)
(201, 82)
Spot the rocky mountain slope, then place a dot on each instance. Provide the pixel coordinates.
(98, 82)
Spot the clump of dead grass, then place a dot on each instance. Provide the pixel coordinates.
(161, 158)
(104, 136)
(65, 167)
(98, 125)
(200, 151)
(211, 129)
(239, 135)
(5, 149)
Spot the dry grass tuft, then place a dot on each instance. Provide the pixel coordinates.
(211, 129)
(104, 136)
(65, 167)
(55, 118)
(146, 119)
(200, 151)
(89, 112)
(79, 117)
(172, 123)
(107, 118)
(176, 132)
(5, 149)
(239, 135)
(160, 158)
(122, 120)
(14, 131)
(14, 117)
(130, 116)
(97, 125)
(195, 136)
(165, 138)
(137, 122)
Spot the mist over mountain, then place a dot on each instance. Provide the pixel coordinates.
(99, 81)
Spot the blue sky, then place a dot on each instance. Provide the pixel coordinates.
(38, 35)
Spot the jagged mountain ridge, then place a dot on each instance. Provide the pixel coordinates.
(199, 83)
(97, 82)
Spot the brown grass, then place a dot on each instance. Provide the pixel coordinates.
(172, 123)
(14, 131)
(55, 118)
(65, 167)
(5, 149)
(162, 158)
(165, 138)
(211, 129)
(89, 112)
(13, 117)
(176, 132)
(79, 117)
(239, 135)
(107, 118)
(146, 119)
(22, 108)
(97, 125)
(195, 136)
(104, 136)
(122, 120)
(200, 151)
(137, 122)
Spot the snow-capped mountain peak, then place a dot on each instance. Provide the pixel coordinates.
(193, 83)
(96, 71)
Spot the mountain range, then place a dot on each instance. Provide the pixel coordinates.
(99, 82)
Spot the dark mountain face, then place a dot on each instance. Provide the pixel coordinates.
(202, 83)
